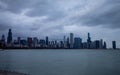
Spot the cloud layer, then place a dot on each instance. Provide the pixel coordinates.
(58, 17)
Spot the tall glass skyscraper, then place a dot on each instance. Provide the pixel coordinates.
(88, 41)
(47, 41)
(9, 38)
(114, 44)
(71, 40)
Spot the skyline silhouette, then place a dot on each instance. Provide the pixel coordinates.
(60, 37)
(56, 18)
(68, 42)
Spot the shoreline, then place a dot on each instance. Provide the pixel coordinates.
(53, 49)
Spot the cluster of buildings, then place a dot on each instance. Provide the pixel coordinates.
(70, 42)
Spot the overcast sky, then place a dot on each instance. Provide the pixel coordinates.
(56, 18)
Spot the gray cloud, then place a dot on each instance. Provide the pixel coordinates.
(107, 15)
(16, 6)
(58, 17)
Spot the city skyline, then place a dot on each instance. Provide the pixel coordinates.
(67, 42)
(53, 18)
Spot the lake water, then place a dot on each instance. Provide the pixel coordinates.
(61, 62)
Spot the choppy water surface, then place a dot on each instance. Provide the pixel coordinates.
(61, 62)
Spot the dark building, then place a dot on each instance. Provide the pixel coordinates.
(71, 40)
(15, 42)
(9, 38)
(23, 43)
(35, 42)
(30, 42)
(0, 44)
(114, 44)
(65, 42)
(61, 44)
(52, 44)
(68, 43)
(77, 42)
(84, 45)
(88, 41)
(47, 41)
(3, 38)
(42, 43)
(97, 44)
(19, 40)
(105, 45)
(2, 41)
(101, 44)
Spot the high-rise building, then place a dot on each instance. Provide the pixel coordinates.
(88, 41)
(47, 41)
(101, 43)
(24, 43)
(68, 43)
(42, 43)
(30, 42)
(56, 44)
(84, 45)
(61, 44)
(92, 46)
(105, 45)
(35, 42)
(19, 40)
(114, 44)
(97, 44)
(9, 38)
(2, 41)
(71, 40)
(65, 42)
(3, 38)
(77, 42)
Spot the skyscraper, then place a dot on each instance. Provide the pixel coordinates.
(88, 41)
(3, 41)
(9, 38)
(35, 42)
(65, 42)
(30, 42)
(97, 44)
(19, 40)
(77, 42)
(68, 43)
(3, 38)
(101, 43)
(71, 40)
(105, 45)
(47, 41)
(114, 44)
(42, 43)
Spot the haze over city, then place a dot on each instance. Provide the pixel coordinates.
(56, 18)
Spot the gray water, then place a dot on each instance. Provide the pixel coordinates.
(61, 62)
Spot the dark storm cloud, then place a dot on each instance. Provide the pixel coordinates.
(5, 22)
(55, 18)
(107, 15)
(16, 6)
(48, 8)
